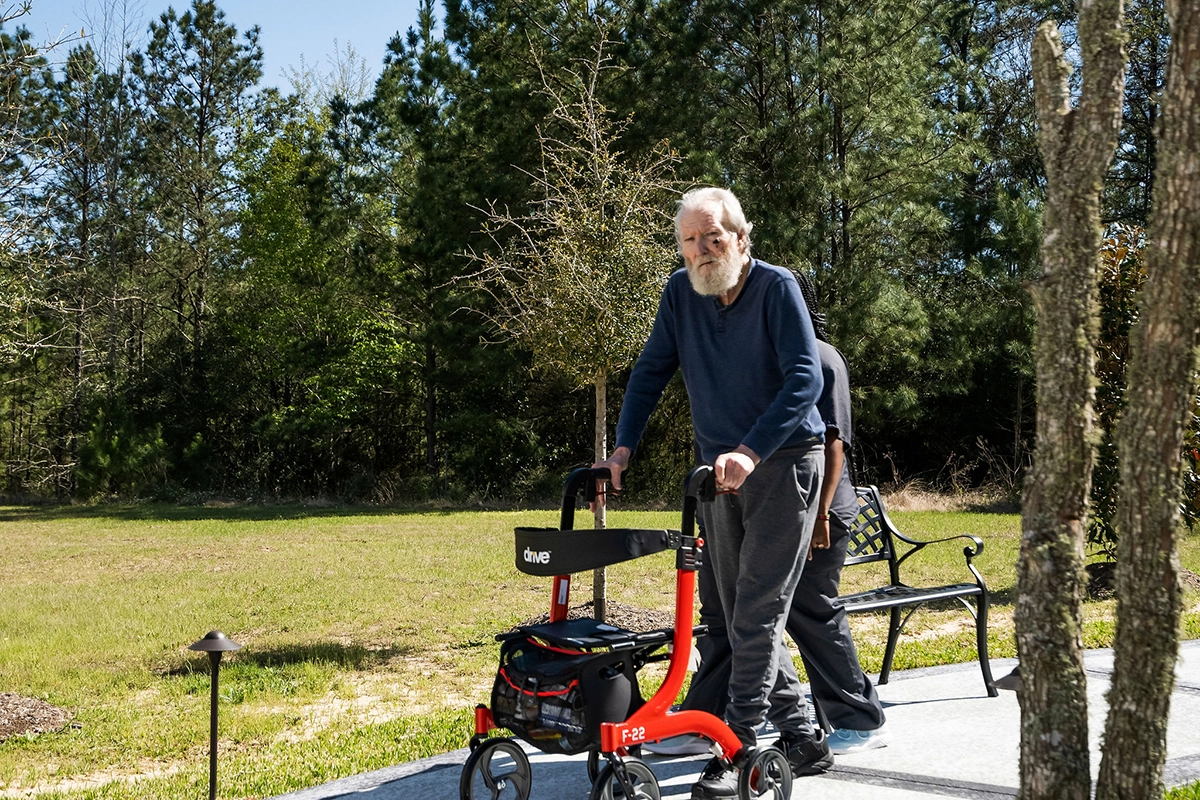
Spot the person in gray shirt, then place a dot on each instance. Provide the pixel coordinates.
(819, 627)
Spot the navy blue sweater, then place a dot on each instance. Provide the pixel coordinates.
(751, 368)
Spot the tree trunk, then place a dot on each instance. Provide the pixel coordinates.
(1018, 426)
(1162, 368)
(1077, 146)
(600, 576)
(431, 454)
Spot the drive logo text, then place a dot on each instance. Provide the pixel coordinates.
(537, 556)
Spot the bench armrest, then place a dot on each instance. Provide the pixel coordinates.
(915, 545)
(903, 546)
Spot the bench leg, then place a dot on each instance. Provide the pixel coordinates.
(890, 651)
(981, 643)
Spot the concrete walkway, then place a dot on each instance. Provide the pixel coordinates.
(949, 739)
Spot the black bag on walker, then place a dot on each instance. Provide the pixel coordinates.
(555, 699)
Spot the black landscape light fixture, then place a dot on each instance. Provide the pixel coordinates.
(214, 643)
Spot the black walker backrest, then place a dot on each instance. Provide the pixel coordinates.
(550, 552)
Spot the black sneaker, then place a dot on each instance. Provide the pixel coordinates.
(719, 779)
(808, 753)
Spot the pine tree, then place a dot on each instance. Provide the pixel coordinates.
(192, 83)
(820, 117)
(1130, 184)
(31, 306)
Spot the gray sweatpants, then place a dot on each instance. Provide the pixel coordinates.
(758, 539)
(818, 627)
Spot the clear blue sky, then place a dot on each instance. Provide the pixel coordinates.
(290, 28)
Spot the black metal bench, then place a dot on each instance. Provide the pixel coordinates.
(873, 537)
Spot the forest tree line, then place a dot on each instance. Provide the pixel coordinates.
(209, 285)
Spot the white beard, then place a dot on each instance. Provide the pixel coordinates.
(718, 276)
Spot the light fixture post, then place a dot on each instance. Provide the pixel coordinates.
(215, 644)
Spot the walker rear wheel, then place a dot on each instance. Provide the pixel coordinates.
(608, 787)
(767, 775)
(498, 769)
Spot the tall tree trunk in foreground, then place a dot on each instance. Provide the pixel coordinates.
(1162, 368)
(1077, 146)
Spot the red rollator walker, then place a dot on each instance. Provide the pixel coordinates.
(571, 686)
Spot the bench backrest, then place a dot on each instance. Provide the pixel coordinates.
(870, 533)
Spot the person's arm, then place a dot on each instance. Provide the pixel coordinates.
(654, 368)
(656, 365)
(835, 456)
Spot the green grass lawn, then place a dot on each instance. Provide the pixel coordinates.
(368, 634)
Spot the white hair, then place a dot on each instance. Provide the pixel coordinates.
(732, 217)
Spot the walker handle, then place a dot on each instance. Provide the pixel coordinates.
(580, 481)
(700, 486)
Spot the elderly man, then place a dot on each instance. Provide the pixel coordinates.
(739, 330)
(816, 623)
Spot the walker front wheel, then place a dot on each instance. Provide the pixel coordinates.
(767, 775)
(607, 785)
(593, 764)
(498, 769)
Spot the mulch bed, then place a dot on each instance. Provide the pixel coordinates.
(1102, 579)
(618, 614)
(20, 715)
